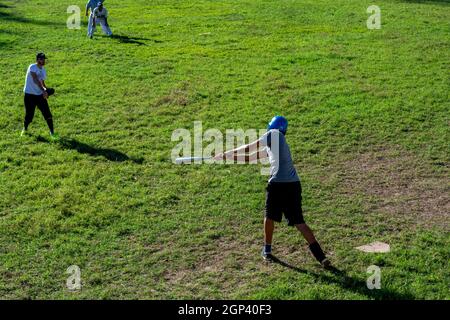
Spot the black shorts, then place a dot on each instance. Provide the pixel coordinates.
(284, 198)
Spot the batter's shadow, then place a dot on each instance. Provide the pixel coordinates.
(347, 282)
(108, 154)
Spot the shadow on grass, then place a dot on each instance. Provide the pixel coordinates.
(440, 2)
(132, 40)
(15, 18)
(349, 283)
(109, 154)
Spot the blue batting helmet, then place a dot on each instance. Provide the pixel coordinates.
(278, 122)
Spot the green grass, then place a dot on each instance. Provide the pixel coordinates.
(108, 199)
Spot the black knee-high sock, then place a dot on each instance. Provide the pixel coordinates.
(317, 252)
(50, 125)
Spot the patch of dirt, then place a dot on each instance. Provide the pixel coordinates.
(226, 255)
(232, 265)
(396, 182)
(177, 96)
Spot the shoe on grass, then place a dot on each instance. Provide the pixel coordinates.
(25, 133)
(267, 256)
(326, 263)
(54, 136)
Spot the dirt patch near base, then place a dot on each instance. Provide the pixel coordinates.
(211, 270)
(398, 183)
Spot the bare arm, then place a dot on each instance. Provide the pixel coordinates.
(253, 157)
(251, 147)
(40, 83)
(241, 154)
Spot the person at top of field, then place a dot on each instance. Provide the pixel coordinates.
(90, 6)
(284, 191)
(99, 15)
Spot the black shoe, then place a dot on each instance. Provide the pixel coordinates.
(326, 263)
(268, 257)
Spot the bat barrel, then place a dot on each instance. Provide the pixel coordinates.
(190, 159)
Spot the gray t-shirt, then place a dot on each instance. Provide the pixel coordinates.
(281, 166)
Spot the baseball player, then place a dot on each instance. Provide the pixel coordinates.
(36, 94)
(284, 191)
(90, 6)
(100, 15)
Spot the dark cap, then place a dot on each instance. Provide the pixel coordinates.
(41, 55)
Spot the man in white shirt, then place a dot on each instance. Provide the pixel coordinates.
(36, 94)
(100, 15)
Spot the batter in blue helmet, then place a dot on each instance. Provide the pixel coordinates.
(284, 191)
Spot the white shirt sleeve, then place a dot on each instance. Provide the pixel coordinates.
(33, 68)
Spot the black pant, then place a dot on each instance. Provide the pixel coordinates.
(31, 101)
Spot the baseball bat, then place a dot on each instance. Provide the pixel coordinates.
(190, 159)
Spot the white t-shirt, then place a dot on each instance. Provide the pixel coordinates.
(30, 86)
(100, 13)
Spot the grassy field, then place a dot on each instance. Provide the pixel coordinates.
(369, 132)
